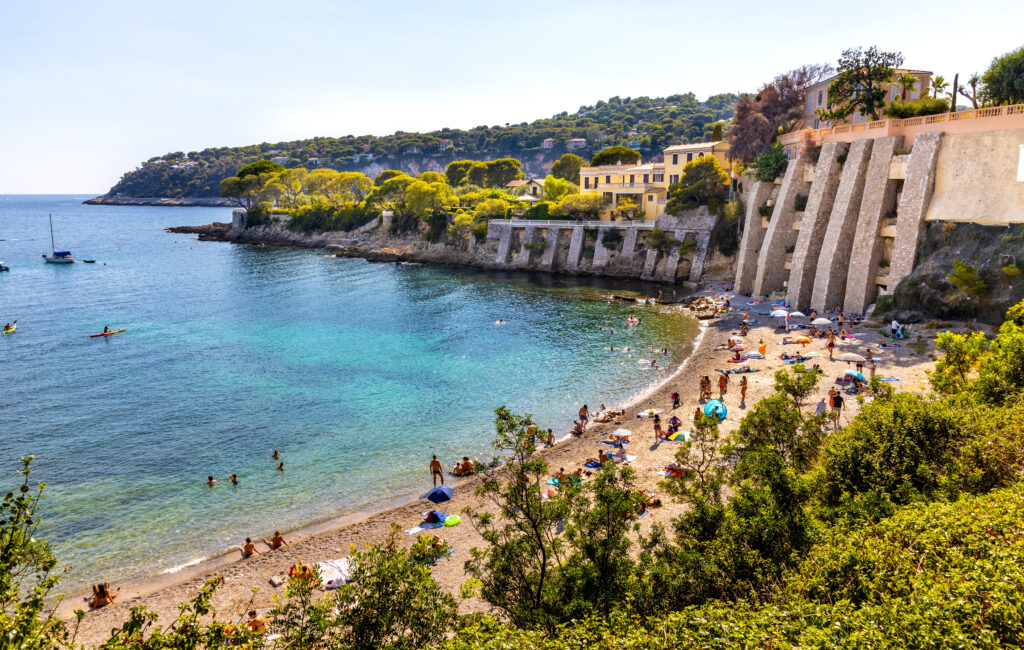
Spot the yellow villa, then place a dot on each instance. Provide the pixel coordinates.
(647, 185)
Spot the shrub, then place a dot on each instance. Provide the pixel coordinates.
(1011, 270)
(800, 202)
(612, 237)
(766, 210)
(703, 182)
(658, 239)
(770, 164)
(258, 215)
(924, 106)
(322, 217)
(965, 278)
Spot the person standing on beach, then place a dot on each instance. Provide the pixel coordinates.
(743, 390)
(584, 415)
(837, 408)
(762, 347)
(675, 400)
(550, 440)
(723, 386)
(435, 470)
(831, 345)
(657, 428)
(696, 415)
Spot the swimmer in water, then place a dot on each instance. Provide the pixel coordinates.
(234, 479)
(280, 467)
(276, 455)
(210, 482)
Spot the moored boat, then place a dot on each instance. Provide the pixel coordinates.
(58, 257)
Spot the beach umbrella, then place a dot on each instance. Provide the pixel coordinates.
(439, 494)
(821, 321)
(856, 375)
(680, 436)
(803, 339)
(621, 433)
(850, 357)
(779, 313)
(797, 314)
(715, 409)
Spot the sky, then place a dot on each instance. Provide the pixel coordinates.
(88, 90)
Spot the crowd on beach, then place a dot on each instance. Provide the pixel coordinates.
(812, 336)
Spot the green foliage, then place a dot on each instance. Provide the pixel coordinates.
(924, 106)
(320, 217)
(539, 210)
(555, 189)
(628, 209)
(462, 226)
(965, 278)
(1011, 270)
(1004, 79)
(567, 168)
(766, 210)
(961, 354)
(387, 175)
(26, 566)
(800, 202)
(770, 165)
(432, 177)
(703, 181)
(257, 215)
(658, 239)
(612, 238)
(615, 156)
(860, 83)
(491, 209)
(457, 170)
(260, 167)
(579, 206)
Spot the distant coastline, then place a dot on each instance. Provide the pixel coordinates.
(185, 201)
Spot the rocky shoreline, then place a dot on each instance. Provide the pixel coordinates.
(183, 202)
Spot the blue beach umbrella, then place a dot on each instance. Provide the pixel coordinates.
(715, 409)
(439, 494)
(856, 375)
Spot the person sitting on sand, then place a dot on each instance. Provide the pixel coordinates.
(102, 595)
(210, 482)
(602, 457)
(577, 428)
(697, 415)
(620, 455)
(276, 542)
(602, 417)
(762, 347)
(301, 571)
(249, 549)
(560, 476)
(736, 356)
(256, 623)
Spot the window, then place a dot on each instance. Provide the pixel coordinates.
(659, 178)
(689, 157)
(586, 182)
(607, 179)
(650, 197)
(675, 159)
(646, 177)
(631, 181)
(821, 96)
(700, 155)
(674, 178)
(608, 196)
(595, 182)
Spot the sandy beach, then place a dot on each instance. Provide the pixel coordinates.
(331, 540)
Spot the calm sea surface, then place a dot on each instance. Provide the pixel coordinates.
(357, 372)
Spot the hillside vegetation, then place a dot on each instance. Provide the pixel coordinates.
(644, 123)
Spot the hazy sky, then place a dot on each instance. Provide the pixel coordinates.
(90, 89)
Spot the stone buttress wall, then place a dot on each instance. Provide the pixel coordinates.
(827, 172)
(753, 236)
(834, 259)
(771, 272)
(879, 200)
(917, 192)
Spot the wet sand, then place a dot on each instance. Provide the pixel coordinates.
(333, 539)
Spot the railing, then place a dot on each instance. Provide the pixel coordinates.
(816, 135)
(622, 186)
(538, 223)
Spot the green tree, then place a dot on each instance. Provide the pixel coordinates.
(462, 226)
(477, 175)
(457, 171)
(392, 192)
(260, 167)
(906, 82)
(860, 83)
(965, 278)
(961, 354)
(615, 156)
(432, 177)
(770, 165)
(658, 239)
(503, 171)
(287, 186)
(703, 179)
(387, 175)
(491, 209)
(579, 206)
(1004, 79)
(423, 200)
(246, 189)
(556, 188)
(628, 209)
(973, 81)
(522, 543)
(939, 85)
(567, 168)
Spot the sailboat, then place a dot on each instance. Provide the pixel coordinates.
(58, 257)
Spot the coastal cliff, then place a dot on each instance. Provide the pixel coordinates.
(185, 201)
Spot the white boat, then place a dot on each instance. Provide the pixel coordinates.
(58, 257)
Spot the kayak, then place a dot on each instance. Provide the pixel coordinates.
(92, 336)
(10, 331)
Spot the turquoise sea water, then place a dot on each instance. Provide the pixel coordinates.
(357, 372)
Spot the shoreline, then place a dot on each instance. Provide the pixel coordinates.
(182, 202)
(200, 569)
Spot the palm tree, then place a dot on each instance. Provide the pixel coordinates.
(906, 82)
(939, 85)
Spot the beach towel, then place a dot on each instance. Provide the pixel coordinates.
(614, 444)
(446, 554)
(753, 355)
(888, 379)
(593, 465)
(629, 459)
(334, 573)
